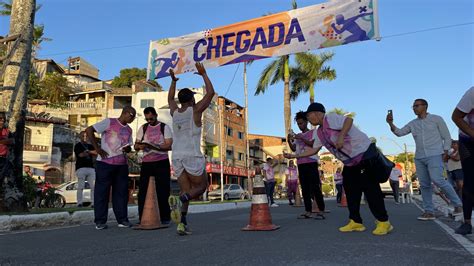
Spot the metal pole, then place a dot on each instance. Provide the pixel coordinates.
(221, 144)
(249, 182)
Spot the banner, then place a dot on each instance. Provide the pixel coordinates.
(336, 22)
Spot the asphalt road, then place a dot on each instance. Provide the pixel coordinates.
(218, 240)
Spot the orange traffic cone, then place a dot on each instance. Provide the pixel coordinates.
(151, 213)
(260, 218)
(298, 202)
(343, 200)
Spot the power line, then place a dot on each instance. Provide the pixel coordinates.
(232, 81)
(143, 44)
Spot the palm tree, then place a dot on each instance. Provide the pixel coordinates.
(310, 69)
(55, 88)
(278, 70)
(343, 112)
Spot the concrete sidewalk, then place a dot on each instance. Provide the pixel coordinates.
(29, 221)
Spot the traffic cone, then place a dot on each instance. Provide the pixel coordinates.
(260, 218)
(343, 200)
(298, 202)
(151, 212)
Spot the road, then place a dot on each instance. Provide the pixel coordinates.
(217, 240)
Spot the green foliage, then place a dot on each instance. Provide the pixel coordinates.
(55, 88)
(341, 111)
(401, 158)
(326, 158)
(34, 91)
(29, 185)
(128, 76)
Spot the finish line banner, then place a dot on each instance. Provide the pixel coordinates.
(336, 22)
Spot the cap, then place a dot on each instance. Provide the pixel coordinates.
(316, 107)
(185, 95)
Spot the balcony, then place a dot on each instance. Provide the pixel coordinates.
(39, 148)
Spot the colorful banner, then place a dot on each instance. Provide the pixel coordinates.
(336, 22)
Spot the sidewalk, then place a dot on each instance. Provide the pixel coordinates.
(35, 221)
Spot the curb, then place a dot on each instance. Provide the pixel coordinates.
(9, 223)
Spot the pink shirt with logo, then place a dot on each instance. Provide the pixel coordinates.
(292, 174)
(269, 174)
(154, 136)
(301, 147)
(4, 132)
(114, 137)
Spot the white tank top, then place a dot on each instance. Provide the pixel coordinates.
(186, 135)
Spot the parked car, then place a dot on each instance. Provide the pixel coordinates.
(231, 191)
(387, 189)
(69, 191)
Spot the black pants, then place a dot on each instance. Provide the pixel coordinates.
(311, 185)
(270, 190)
(161, 171)
(395, 185)
(358, 179)
(466, 151)
(339, 193)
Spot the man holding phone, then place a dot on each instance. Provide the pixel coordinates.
(432, 141)
(112, 166)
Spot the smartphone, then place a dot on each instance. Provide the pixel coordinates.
(390, 112)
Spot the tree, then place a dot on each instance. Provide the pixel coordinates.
(401, 158)
(17, 76)
(34, 91)
(341, 111)
(55, 88)
(278, 70)
(310, 69)
(128, 76)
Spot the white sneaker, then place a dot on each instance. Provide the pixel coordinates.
(274, 205)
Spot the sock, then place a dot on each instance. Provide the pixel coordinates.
(185, 197)
(183, 218)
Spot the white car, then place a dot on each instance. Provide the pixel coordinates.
(69, 191)
(231, 191)
(387, 189)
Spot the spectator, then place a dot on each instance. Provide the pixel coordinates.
(394, 179)
(455, 173)
(6, 139)
(338, 181)
(85, 171)
(269, 177)
(291, 181)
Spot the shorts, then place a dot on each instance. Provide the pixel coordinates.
(456, 175)
(193, 165)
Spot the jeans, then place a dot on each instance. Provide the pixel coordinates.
(85, 174)
(270, 189)
(430, 169)
(115, 176)
(395, 185)
(161, 171)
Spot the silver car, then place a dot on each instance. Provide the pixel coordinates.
(231, 191)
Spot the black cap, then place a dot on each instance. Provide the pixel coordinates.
(316, 107)
(185, 95)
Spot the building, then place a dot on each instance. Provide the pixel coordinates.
(79, 72)
(264, 146)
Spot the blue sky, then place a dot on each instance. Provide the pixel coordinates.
(372, 77)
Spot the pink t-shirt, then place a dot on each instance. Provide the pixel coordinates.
(154, 136)
(4, 132)
(269, 175)
(301, 147)
(114, 137)
(292, 173)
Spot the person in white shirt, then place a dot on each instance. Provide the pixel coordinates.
(455, 173)
(395, 182)
(432, 141)
(463, 117)
(188, 161)
(361, 160)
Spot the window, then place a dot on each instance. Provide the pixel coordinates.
(122, 101)
(229, 131)
(241, 156)
(144, 103)
(241, 135)
(27, 136)
(229, 154)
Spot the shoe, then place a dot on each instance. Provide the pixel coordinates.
(101, 226)
(457, 211)
(125, 224)
(274, 205)
(175, 205)
(427, 217)
(464, 229)
(382, 228)
(352, 227)
(291, 204)
(183, 230)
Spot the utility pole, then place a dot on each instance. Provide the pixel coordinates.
(247, 153)
(221, 148)
(17, 77)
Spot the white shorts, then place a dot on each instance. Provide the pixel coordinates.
(193, 165)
